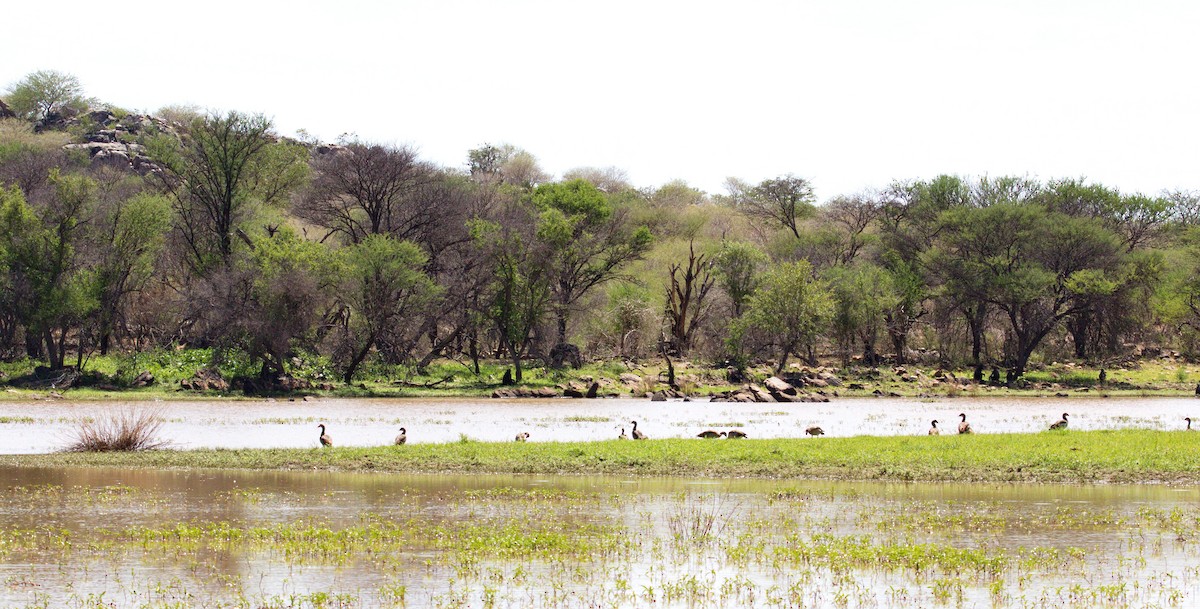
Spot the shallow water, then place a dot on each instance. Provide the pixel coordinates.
(39, 427)
(77, 537)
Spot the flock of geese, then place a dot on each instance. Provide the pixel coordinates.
(963, 428)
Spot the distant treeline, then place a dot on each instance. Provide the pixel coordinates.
(124, 232)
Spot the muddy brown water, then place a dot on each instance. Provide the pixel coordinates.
(40, 427)
(1153, 567)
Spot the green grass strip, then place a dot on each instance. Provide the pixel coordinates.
(1126, 456)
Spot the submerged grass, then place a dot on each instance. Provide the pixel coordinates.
(1072, 456)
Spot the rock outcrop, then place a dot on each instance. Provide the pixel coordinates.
(205, 380)
(525, 392)
(777, 390)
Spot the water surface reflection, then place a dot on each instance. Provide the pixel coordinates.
(134, 538)
(39, 427)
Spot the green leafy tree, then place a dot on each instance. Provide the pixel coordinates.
(519, 296)
(45, 94)
(1036, 268)
(287, 277)
(738, 266)
(908, 306)
(787, 200)
(53, 292)
(222, 169)
(791, 308)
(587, 242)
(130, 238)
(862, 296)
(382, 289)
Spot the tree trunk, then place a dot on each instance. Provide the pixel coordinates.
(975, 323)
(1078, 326)
(783, 358)
(53, 357)
(561, 316)
(899, 344)
(352, 367)
(473, 351)
(33, 345)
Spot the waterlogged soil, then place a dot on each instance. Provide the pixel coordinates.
(46, 426)
(144, 538)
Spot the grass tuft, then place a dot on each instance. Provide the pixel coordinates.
(124, 431)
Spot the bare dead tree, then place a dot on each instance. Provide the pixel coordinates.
(686, 298)
(852, 216)
(369, 189)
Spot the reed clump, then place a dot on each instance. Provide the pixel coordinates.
(121, 431)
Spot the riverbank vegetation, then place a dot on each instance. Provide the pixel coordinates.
(207, 252)
(1129, 456)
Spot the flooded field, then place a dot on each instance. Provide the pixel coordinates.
(39, 427)
(144, 538)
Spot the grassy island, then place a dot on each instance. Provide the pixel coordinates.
(1125, 456)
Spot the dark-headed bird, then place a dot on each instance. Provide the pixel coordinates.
(964, 426)
(814, 431)
(710, 434)
(933, 430)
(325, 439)
(1061, 423)
(403, 437)
(637, 435)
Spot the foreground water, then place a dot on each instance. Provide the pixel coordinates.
(145, 538)
(39, 427)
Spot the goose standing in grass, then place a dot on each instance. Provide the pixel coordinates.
(637, 435)
(933, 430)
(734, 434)
(622, 436)
(325, 439)
(964, 426)
(521, 437)
(403, 437)
(1189, 420)
(1061, 423)
(710, 434)
(814, 431)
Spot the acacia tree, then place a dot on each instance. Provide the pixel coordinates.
(1034, 267)
(519, 296)
(53, 293)
(850, 218)
(382, 288)
(787, 200)
(862, 294)
(129, 237)
(218, 173)
(285, 280)
(45, 94)
(790, 308)
(586, 239)
(738, 266)
(369, 189)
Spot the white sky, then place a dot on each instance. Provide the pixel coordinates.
(849, 94)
